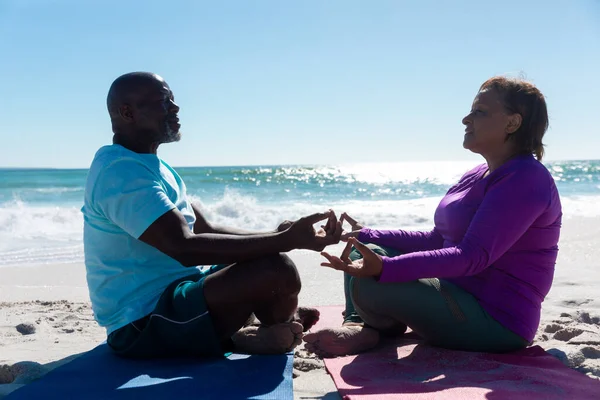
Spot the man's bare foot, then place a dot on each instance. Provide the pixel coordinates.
(274, 339)
(349, 339)
(252, 320)
(307, 316)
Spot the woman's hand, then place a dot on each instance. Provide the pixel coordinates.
(354, 226)
(370, 265)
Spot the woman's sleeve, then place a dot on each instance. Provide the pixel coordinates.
(411, 241)
(404, 241)
(509, 208)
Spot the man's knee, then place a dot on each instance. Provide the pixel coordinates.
(282, 274)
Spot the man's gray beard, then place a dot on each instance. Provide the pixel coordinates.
(171, 136)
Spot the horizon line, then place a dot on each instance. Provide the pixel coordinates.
(290, 164)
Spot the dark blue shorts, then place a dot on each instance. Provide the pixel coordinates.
(179, 325)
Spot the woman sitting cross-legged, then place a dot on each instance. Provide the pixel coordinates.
(476, 282)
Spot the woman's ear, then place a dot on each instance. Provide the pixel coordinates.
(514, 123)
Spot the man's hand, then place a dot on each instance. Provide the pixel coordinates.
(355, 227)
(370, 265)
(285, 225)
(303, 236)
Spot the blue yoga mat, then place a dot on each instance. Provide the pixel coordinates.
(98, 374)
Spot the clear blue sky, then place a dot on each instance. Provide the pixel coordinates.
(280, 82)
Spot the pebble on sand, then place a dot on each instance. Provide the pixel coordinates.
(26, 328)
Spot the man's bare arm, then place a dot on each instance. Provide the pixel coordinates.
(171, 235)
(203, 226)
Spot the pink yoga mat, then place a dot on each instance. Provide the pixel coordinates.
(406, 368)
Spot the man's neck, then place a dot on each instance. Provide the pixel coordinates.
(135, 146)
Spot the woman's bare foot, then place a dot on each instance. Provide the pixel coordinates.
(274, 339)
(349, 339)
(307, 316)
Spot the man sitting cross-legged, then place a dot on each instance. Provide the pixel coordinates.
(143, 240)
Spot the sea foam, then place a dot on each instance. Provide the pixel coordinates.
(34, 234)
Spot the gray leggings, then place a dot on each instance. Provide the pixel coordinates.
(440, 312)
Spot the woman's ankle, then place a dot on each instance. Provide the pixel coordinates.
(352, 320)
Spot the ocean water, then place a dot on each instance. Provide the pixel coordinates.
(41, 220)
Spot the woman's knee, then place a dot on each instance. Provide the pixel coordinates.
(364, 291)
(367, 303)
(355, 254)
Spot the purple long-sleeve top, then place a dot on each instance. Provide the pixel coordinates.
(495, 236)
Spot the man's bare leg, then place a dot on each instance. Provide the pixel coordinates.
(268, 288)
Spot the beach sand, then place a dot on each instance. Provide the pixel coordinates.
(46, 319)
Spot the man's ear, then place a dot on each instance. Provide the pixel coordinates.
(514, 123)
(126, 112)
